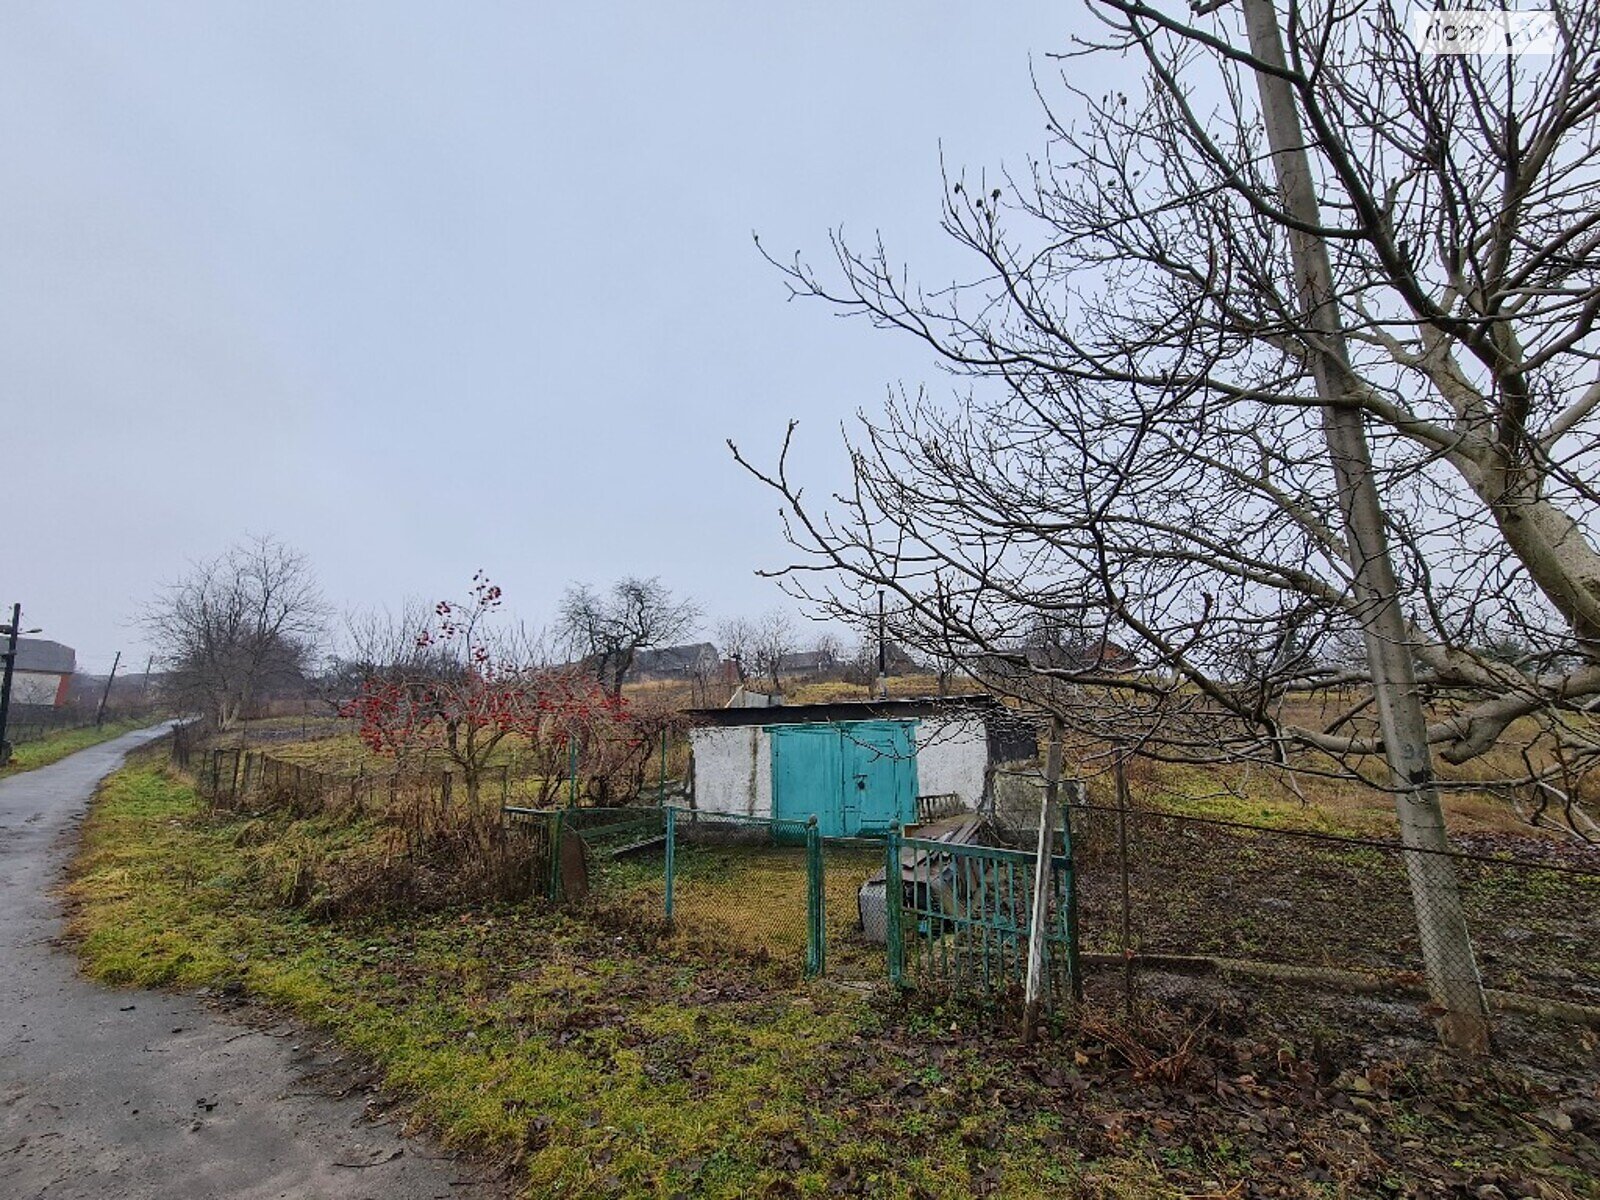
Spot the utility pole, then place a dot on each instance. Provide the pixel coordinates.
(1452, 971)
(5, 684)
(148, 663)
(883, 652)
(100, 713)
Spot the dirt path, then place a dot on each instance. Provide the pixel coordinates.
(144, 1094)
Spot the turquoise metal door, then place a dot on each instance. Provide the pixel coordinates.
(856, 777)
(805, 776)
(880, 774)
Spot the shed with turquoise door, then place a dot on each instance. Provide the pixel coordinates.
(857, 766)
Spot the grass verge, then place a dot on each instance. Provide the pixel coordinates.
(600, 1061)
(53, 747)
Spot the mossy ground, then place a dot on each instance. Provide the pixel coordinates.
(597, 1059)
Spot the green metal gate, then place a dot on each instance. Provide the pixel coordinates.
(963, 916)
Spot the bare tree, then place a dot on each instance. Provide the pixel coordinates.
(830, 652)
(606, 630)
(738, 638)
(774, 641)
(237, 627)
(1291, 348)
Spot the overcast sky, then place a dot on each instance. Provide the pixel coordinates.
(423, 288)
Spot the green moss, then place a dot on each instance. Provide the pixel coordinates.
(597, 1068)
(594, 1062)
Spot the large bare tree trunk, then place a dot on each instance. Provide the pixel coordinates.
(1452, 971)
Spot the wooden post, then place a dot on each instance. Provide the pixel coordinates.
(100, 713)
(1038, 923)
(1074, 967)
(554, 825)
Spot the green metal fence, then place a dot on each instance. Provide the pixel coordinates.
(964, 912)
(959, 917)
(749, 883)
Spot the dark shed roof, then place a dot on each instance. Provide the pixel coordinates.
(845, 710)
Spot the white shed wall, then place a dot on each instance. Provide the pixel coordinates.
(952, 755)
(732, 770)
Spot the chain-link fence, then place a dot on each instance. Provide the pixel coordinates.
(1172, 890)
(722, 884)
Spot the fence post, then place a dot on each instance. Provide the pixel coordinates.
(554, 826)
(893, 899)
(671, 856)
(1074, 971)
(505, 784)
(572, 772)
(1044, 857)
(816, 925)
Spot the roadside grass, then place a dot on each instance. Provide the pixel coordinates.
(582, 1057)
(596, 1057)
(53, 747)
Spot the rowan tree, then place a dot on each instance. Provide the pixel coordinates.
(464, 688)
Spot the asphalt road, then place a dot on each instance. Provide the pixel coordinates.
(128, 1094)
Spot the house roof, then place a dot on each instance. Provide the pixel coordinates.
(675, 658)
(44, 657)
(807, 660)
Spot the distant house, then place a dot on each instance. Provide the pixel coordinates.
(42, 676)
(808, 662)
(1099, 657)
(697, 661)
(1096, 657)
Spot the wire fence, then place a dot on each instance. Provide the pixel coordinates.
(32, 725)
(583, 775)
(906, 910)
(1172, 890)
(1141, 889)
(230, 775)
